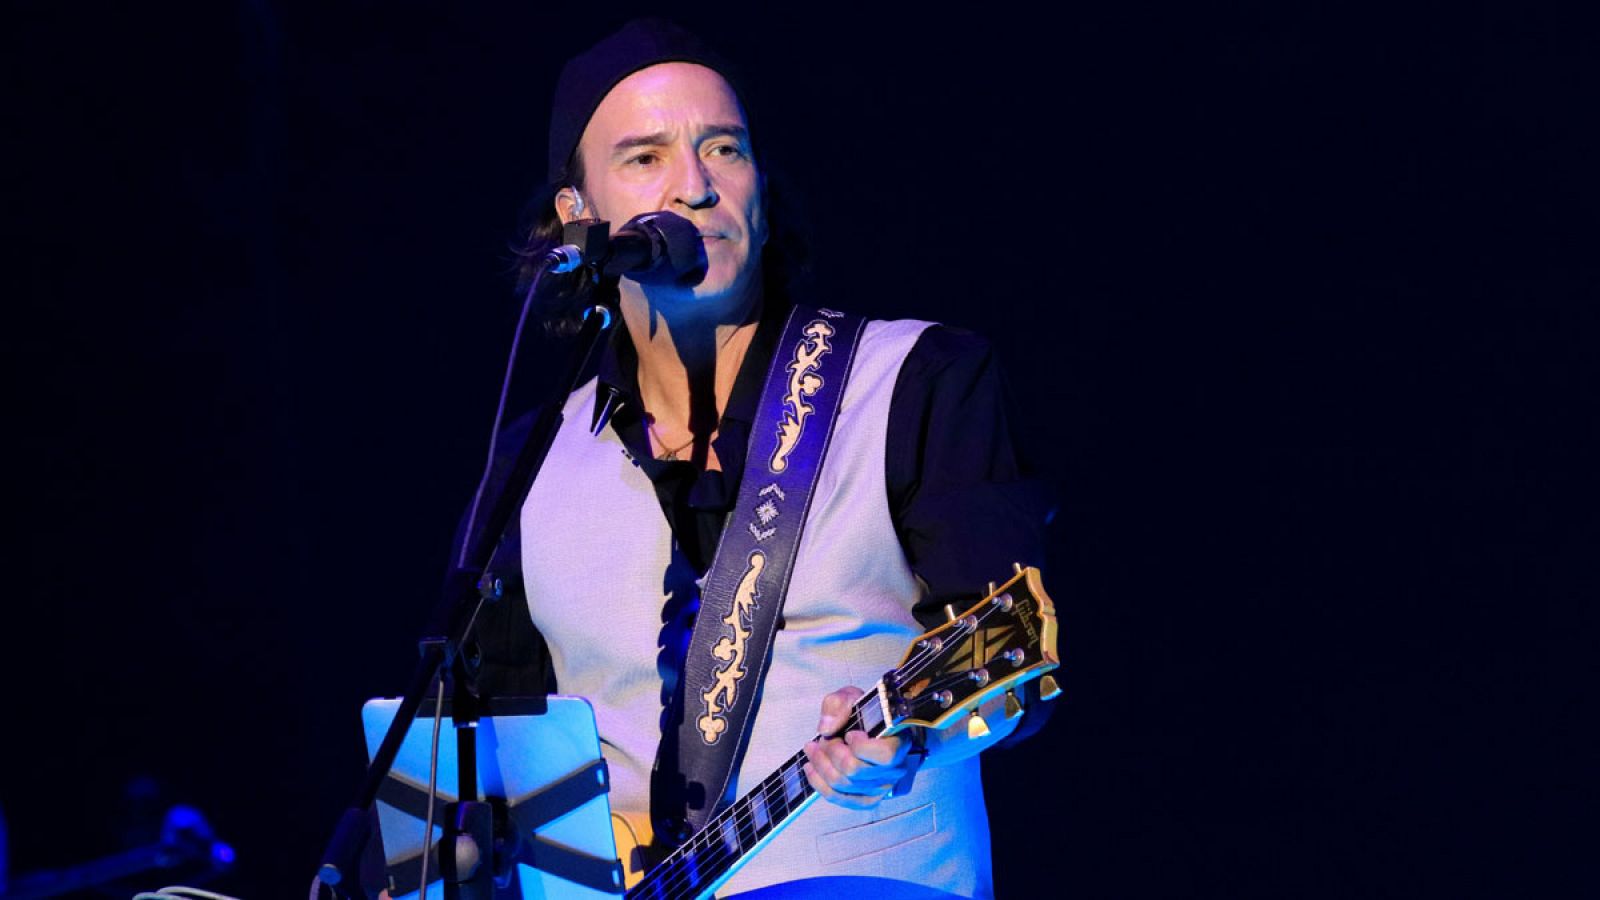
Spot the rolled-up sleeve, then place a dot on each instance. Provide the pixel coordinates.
(964, 501)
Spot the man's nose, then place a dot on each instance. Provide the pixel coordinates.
(694, 187)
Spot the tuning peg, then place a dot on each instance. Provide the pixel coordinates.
(1018, 567)
(1048, 689)
(1013, 705)
(949, 613)
(976, 726)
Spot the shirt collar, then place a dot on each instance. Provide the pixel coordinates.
(617, 373)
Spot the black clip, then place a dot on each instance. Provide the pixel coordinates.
(491, 588)
(914, 760)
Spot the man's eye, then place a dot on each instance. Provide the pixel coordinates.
(727, 151)
(643, 159)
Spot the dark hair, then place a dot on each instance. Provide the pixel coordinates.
(562, 299)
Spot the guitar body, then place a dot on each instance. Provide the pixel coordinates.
(634, 836)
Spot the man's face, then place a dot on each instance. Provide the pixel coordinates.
(672, 137)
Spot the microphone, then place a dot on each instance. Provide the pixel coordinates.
(652, 248)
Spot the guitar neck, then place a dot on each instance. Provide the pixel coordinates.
(708, 859)
(1000, 643)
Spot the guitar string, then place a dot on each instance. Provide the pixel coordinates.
(765, 788)
(774, 781)
(709, 851)
(770, 788)
(716, 824)
(709, 848)
(712, 852)
(716, 853)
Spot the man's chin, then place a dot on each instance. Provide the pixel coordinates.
(717, 295)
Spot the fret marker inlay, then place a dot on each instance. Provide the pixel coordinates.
(758, 811)
(791, 784)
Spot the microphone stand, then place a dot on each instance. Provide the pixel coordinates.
(449, 626)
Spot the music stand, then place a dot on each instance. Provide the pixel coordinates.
(538, 764)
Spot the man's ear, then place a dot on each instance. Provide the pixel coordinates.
(569, 205)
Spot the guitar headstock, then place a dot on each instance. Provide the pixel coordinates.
(999, 644)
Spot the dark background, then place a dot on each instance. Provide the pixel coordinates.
(1293, 300)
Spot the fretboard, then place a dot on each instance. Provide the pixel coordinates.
(703, 862)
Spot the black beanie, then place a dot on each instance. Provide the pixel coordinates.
(588, 77)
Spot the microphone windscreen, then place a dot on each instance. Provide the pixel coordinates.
(679, 253)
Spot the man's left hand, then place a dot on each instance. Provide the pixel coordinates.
(854, 771)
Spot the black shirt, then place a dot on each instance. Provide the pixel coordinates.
(958, 495)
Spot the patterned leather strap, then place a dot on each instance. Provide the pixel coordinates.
(743, 591)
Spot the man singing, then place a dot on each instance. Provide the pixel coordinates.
(920, 502)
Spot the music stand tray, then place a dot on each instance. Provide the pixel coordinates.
(538, 759)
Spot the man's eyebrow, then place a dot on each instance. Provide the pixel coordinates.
(656, 139)
(638, 140)
(734, 131)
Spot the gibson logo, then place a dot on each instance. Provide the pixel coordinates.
(1024, 617)
(803, 382)
(731, 650)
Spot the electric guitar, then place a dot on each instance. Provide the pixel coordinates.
(1004, 641)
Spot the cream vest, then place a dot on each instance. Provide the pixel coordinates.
(599, 565)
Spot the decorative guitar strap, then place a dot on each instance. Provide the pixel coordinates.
(743, 591)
